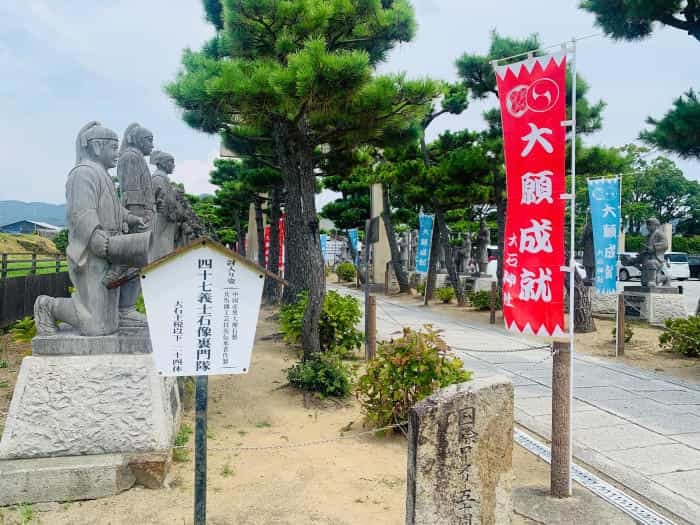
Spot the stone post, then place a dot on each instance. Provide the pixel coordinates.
(667, 228)
(381, 254)
(460, 455)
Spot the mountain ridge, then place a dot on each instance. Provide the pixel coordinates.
(14, 210)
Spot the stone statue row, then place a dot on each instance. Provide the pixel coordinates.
(113, 233)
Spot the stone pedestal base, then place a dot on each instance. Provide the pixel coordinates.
(605, 304)
(460, 455)
(654, 304)
(95, 406)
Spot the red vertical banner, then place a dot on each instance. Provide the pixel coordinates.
(267, 245)
(281, 263)
(532, 95)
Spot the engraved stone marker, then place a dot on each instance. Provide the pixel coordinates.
(460, 455)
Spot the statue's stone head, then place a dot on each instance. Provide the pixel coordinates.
(163, 161)
(136, 136)
(97, 143)
(653, 224)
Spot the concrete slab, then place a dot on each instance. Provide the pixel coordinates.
(669, 424)
(598, 393)
(635, 408)
(684, 482)
(582, 507)
(676, 397)
(692, 439)
(587, 419)
(618, 437)
(537, 406)
(524, 392)
(63, 479)
(658, 459)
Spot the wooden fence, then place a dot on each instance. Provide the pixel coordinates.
(24, 277)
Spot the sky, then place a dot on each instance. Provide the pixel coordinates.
(67, 62)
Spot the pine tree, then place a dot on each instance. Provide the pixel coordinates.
(678, 131)
(293, 75)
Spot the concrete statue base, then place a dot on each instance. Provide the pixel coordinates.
(654, 304)
(102, 414)
(603, 304)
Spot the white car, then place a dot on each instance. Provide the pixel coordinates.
(625, 273)
(677, 264)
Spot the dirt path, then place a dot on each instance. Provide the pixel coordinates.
(353, 481)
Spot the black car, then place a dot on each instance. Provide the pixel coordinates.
(694, 264)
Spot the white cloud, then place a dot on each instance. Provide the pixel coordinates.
(194, 174)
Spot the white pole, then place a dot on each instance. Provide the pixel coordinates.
(620, 297)
(572, 242)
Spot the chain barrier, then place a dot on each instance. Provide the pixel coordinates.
(303, 443)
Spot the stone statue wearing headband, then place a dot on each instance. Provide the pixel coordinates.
(137, 197)
(96, 223)
(168, 211)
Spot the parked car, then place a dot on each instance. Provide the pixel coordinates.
(694, 265)
(677, 263)
(625, 273)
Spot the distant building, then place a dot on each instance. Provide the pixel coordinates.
(31, 227)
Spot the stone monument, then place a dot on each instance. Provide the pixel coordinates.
(89, 416)
(460, 455)
(655, 300)
(484, 240)
(168, 210)
(137, 197)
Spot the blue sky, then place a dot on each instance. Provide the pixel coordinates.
(65, 62)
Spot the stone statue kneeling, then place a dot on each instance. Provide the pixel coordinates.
(98, 248)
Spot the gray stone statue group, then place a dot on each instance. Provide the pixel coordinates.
(112, 233)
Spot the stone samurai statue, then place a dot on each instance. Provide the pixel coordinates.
(97, 244)
(137, 197)
(168, 210)
(651, 261)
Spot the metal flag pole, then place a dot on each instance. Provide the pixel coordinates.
(572, 267)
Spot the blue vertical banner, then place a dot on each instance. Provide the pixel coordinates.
(324, 246)
(604, 197)
(352, 234)
(425, 235)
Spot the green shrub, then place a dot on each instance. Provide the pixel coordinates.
(629, 332)
(339, 317)
(420, 288)
(345, 271)
(404, 372)
(324, 373)
(24, 330)
(446, 294)
(683, 336)
(141, 304)
(482, 300)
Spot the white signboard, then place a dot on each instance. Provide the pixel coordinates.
(202, 305)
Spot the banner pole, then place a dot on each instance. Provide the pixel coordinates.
(572, 243)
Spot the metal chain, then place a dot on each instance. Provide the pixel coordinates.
(507, 351)
(302, 444)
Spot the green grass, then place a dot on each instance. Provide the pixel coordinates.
(181, 455)
(26, 513)
(20, 269)
(227, 471)
(4, 384)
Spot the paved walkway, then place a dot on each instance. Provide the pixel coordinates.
(640, 429)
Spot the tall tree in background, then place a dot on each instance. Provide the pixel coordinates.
(300, 72)
(679, 130)
(635, 19)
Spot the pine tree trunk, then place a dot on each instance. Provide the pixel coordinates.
(271, 288)
(501, 207)
(401, 275)
(295, 154)
(449, 261)
(583, 308)
(240, 235)
(260, 229)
